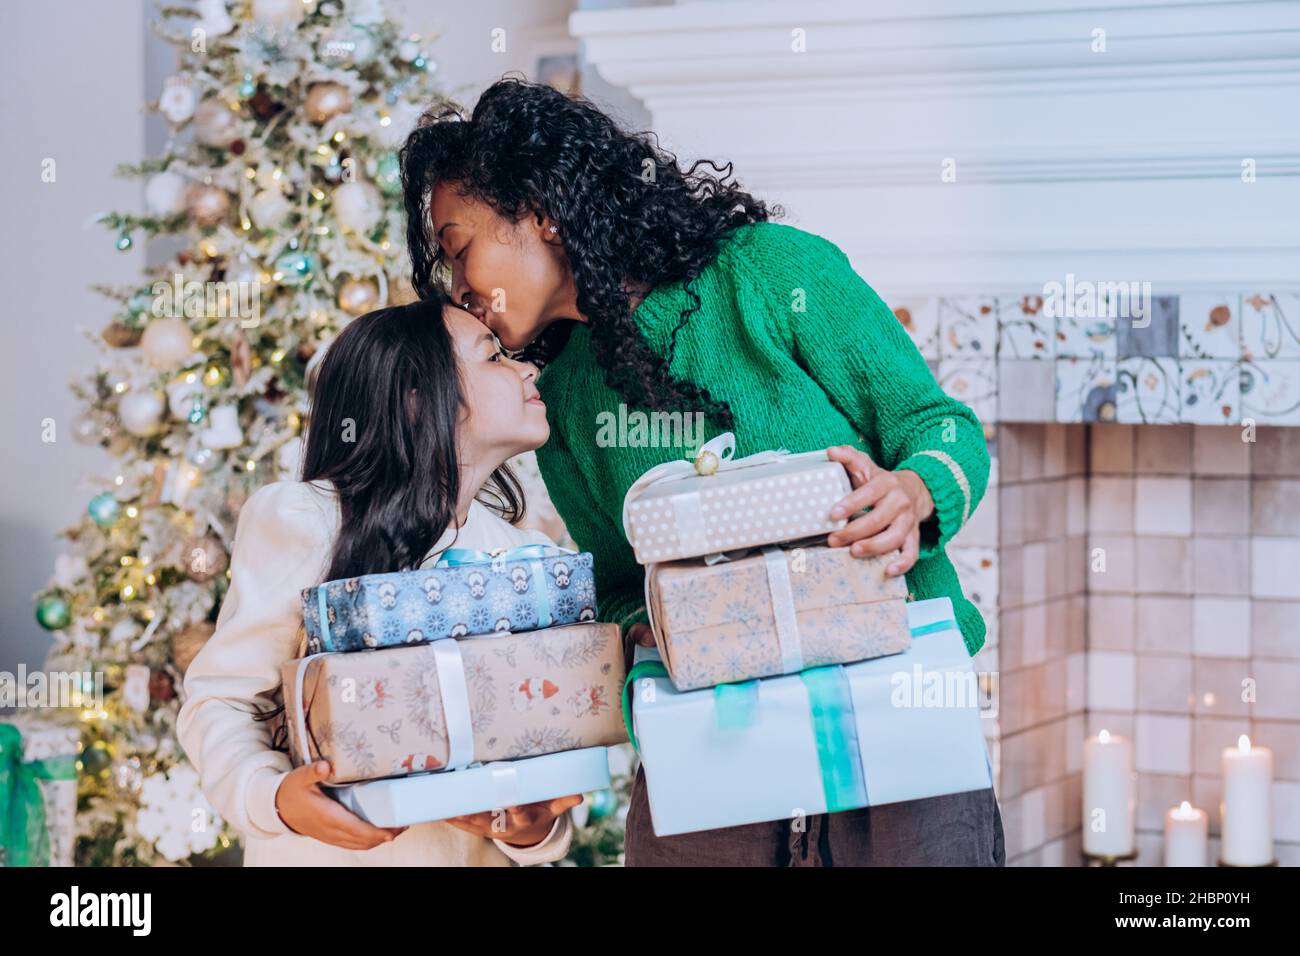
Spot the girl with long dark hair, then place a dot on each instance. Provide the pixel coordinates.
(636, 282)
(414, 412)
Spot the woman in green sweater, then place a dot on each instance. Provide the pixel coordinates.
(633, 282)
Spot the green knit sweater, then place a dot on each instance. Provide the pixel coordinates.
(807, 356)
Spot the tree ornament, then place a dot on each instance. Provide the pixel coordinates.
(96, 758)
(141, 412)
(207, 205)
(123, 242)
(161, 686)
(177, 101)
(216, 124)
(357, 206)
(296, 268)
(223, 431)
(241, 359)
(119, 335)
(203, 557)
(164, 194)
(358, 296)
(52, 612)
(187, 644)
(603, 803)
(269, 208)
(135, 688)
(262, 105)
(326, 101)
(388, 174)
(166, 343)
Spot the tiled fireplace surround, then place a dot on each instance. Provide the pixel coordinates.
(1200, 589)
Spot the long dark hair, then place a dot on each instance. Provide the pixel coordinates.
(382, 430)
(626, 212)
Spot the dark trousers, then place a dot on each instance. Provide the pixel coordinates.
(959, 829)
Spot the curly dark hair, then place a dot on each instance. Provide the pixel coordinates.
(629, 217)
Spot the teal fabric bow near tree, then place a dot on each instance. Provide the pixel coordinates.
(24, 839)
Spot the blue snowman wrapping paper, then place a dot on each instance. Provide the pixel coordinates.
(466, 594)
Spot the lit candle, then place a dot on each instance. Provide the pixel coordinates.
(1186, 836)
(1246, 810)
(1109, 796)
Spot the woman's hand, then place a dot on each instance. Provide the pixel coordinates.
(899, 502)
(308, 811)
(521, 826)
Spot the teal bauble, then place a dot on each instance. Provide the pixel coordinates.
(388, 175)
(603, 803)
(52, 612)
(124, 242)
(104, 510)
(296, 268)
(248, 87)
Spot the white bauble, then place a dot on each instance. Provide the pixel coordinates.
(215, 123)
(166, 342)
(141, 412)
(135, 689)
(278, 13)
(357, 206)
(164, 194)
(268, 208)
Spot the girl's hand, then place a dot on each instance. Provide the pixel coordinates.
(308, 811)
(641, 634)
(899, 502)
(521, 826)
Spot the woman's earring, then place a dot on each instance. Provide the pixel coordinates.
(554, 230)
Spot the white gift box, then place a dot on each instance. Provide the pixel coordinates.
(896, 728)
(402, 801)
(45, 736)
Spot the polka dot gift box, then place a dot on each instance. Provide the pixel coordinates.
(716, 503)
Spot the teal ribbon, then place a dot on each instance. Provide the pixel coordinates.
(23, 834)
(835, 732)
(323, 606)
(647, 668)
(530, 553)
(735, 705)
(945, 625)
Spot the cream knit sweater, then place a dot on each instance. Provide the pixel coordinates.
(282, 545)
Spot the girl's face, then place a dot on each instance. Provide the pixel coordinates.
(513, 276)
(504, 414)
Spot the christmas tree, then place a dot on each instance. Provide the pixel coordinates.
(280, 190)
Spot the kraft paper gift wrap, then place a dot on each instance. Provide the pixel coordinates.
(831, 738)
(450, 703)
(466, 593)
(492, 786)
(774, 610)
(38, 789)
(674, 511)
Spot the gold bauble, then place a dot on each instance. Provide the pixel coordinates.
(207, 205)
(706, 463)
(326, 101)
(187, 644)
(358, 296)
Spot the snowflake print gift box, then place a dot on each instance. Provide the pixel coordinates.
(465, 594)
(775, 610)
(450, 704)
(716, 502)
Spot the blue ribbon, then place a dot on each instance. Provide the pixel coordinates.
(323, 605)
(532, 554)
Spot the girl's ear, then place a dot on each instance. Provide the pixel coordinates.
(548, 230)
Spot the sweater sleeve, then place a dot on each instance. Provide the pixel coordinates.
(851, 344)
(620, 581)
(282, 544)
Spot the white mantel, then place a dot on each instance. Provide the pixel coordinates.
(1125, 163)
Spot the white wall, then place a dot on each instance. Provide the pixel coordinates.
(71, 87)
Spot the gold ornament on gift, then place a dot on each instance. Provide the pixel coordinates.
(207, 205)
(358, 296)
(187, 644)
(326, 101)
(203, 557)
(706, 463)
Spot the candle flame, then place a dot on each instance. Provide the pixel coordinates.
(1104, 736)
(1243, 744)
(1184, 807)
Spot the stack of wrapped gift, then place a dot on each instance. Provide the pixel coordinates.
(771, 689)
(480, 683)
